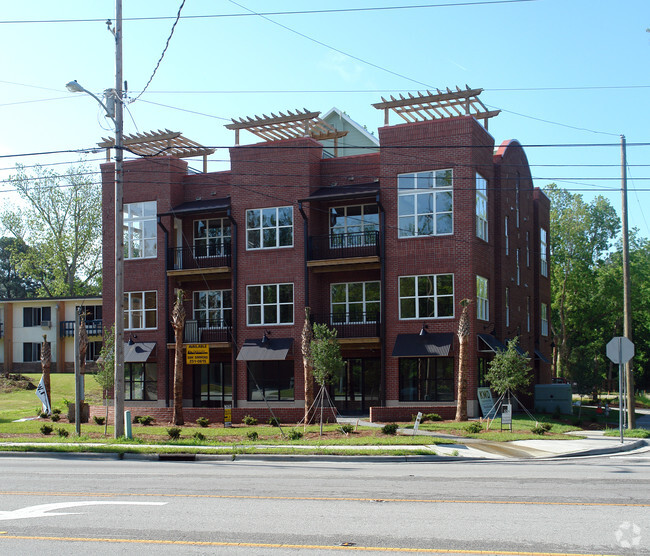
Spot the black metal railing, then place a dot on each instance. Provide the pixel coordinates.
(202, 332)
(338, 246)
(213, 255)
(351, 325)
(93, 328)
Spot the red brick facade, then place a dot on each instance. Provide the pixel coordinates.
(292, 173)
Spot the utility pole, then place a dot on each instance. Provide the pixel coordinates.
(118, 394)
(627, 314)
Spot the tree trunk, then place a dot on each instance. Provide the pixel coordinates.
(463, 334)
(178, 323)
(307, 337)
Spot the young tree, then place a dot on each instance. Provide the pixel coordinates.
(326, 358)
(105, 374)
(463, 334)
(509, 371)
(61, 221)
(178, 323)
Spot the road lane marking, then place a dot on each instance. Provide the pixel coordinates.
(44, 510)
(326, 499)
(298, 546)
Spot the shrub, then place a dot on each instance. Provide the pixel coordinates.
(347, 428)
(390, 428)
(136, 419)
(55, 417)
(203, 422)
(274, 422)
(99, 420)
(576, 422)
(43, 415)
(248, 420)
(252, 435)
(146, 420)
(294, 434)
(62, 432)
(538, 430)
(174, 432)
(431, 417)
(546, 426)
(56, 411)
(199, 436)
(46, 429)
(474, 427)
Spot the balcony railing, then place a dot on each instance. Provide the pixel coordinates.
(93, 328)
(340, 246)
(202, 332)
(351, 325)
(214, 255)
(2, 330)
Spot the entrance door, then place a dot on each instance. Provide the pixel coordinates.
(356, 388)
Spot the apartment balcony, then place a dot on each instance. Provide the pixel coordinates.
(202, 332)
(352, 328)
(93, 328)
(349, 251)
(215, 258)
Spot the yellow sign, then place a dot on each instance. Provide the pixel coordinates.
(197, 354)
(227, 416)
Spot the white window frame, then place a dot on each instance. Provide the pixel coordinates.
(544, 319)
(344, 307)
(130, 313)
(354, 221)
(543, 249)
(507, 300)
(528, 314)
(481, 208)
(264, 289)
(518, 268)
(420, 185)
(527, 249)
(419, 295)
(210, 244)
(259, 228)
(482, 298)
(215, 316)
(505, 233)
(140, 219)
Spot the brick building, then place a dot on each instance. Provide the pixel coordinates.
(381, 246)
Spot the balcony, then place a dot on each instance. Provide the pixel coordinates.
(211, 259)
(93, 328)
(202, 332)
(351, 325)
(349, 251)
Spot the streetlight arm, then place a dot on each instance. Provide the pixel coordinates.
(75, 87)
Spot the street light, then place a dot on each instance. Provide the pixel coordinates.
(116, 117)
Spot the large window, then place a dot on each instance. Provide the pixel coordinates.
(140, 381)
(430, 296)
(482, 302)
(139, 310)
(481, 208)
(36, 316)
(269, 228)
(269, 304)
(507, 307)
(544, 312)
(353, 226)
(140, 230)
(425, 202)
(355, 302)
(93, 350)
(426, 379)
(213, 308)
(213, 384)
(270, 380)
(31, 352)
(211, 237)
(543, 248)
(505, 235)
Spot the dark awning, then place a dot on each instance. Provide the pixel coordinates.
(518, 348)
(138, 352)
(491, 342)
(539, 355)
(203, 205)
(426, 345)
(343, 192)
(274, 349)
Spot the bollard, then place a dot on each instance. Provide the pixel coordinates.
(127, 425)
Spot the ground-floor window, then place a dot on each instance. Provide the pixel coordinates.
(92, 351)
(140, 381)
(270, 380)
(482, 369)
(213, 385)
(31, 352)
(425, 379)
(356, 386)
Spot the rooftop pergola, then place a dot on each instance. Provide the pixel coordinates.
(154, 143)
(436, 106)
(287, 126)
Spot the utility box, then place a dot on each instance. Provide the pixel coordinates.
(550, 398)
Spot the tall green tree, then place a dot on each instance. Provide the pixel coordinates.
(325, 354)
(12, 284)
(60, 219)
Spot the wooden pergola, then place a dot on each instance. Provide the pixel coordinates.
(288, 126)
(155, 143)
(435, 106)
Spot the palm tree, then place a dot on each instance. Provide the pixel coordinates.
(178, 323)
(463, 334)
(307, 337)
(46, 364)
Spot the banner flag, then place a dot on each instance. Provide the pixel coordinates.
(42, 395)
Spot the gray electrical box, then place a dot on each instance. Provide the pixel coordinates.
(550, 397)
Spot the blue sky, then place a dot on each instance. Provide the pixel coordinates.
(564, 72)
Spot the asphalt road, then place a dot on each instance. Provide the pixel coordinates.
(92, 505)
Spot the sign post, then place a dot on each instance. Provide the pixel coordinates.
(506, 415)
(620, 350)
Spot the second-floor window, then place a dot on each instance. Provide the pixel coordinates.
(505, 235)
(140, 310)
(353, 226)
(355, 302)
(140, 230)
(482, 301)
(211, 236)
(269, 228)
(481, 208)
(425, 203)
(544, 312)
(507, 307)
(213, 308)
(543, 248)
(429, 296)
(35, 316)
(269, 304)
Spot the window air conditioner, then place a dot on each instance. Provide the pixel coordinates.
(46, 324)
